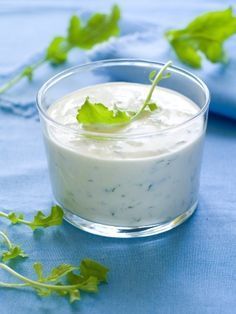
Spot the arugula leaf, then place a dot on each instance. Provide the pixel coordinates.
(74, 296)
(44, 292)
(40, 219)
(99, 28)
(91, 268)
(62, 280)
(89, 284)
(60, 271)
(98, 114)
(55, 274)
(57, 50)
(38, 268)
(14, 218)
(74, 30)
(152, 75)
(95, 114)
(152, 106)
(205, 34)
(13, 250)
(28, 72)
(53, 219)
(187, 53)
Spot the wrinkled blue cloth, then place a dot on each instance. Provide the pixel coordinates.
(191, 269)
(142, 29)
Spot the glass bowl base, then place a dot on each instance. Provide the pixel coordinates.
(126, 232)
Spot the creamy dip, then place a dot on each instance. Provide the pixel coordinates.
(145, 173)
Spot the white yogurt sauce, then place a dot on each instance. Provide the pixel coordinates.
(130, 182)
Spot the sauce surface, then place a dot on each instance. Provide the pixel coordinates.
(173, 109)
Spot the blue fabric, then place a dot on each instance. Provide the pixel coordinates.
(142, 29)
(188, 270)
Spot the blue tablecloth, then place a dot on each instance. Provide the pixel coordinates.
(188, 270)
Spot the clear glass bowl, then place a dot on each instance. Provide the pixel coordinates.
(136, 195)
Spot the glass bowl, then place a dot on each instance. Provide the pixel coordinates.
(104, 186)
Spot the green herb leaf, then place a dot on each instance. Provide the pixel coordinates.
(40, 220)
(74, 296)
(43, 292)
(57, 51)
(99, 28)
(53, 219)
(15, 218)
(152, 74)
(55, 274)
(74, 30)
(98, 114)
(28, 72)
(152, 106)
(91, 268)
(13, 252)
(206, 34)
(91, 274)
(38, 268)
(187, 53)
(60, 271)
(89, 284)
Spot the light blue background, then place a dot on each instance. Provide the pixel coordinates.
(188, 270)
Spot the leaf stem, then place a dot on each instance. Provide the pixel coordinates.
(154, 83)
(13, 81)
(33, 283)
(12, 285)
(19, 220)
(6, 239)
(2, 214)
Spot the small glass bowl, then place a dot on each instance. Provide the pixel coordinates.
(129, 196)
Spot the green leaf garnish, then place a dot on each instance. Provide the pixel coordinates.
(155, 80)
(13, 251)
(97, 114)
(38, 268)
(40, 219)
(57, 51)
(91, 268)
(13, 217)
(152, 106)
(98, 28)
(55, 274)
(151, 75)
(53, 219)
(62, 280)
(205, 34)
(28, 72)
(89, 284)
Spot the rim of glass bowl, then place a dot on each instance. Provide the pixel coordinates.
(114, 62)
